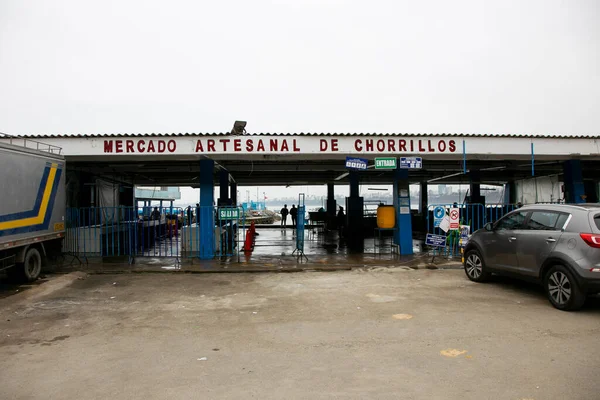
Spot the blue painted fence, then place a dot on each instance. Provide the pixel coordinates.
(172, 232)
(473, 215)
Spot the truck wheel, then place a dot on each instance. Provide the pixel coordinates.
(32, 265)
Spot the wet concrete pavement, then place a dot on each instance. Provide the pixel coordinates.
(274, 251)
(365, 334)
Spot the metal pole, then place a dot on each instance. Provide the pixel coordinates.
(464, 158)
(532, 162)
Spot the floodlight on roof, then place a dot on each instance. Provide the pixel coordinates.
(239, 128)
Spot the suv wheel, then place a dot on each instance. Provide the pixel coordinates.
(562, 289)
(475, 268)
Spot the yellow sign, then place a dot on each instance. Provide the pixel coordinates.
(59, 226)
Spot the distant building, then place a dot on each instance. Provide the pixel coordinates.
(157, 193)
(148, 197)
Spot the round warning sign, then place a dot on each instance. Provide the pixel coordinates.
(439, 212)
(454, 218)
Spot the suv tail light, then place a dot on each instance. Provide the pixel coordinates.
(591, 239)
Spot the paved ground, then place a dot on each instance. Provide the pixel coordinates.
(379, 334)
(274, 251)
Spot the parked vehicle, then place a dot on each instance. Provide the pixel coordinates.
(32, 206)
(555, 245)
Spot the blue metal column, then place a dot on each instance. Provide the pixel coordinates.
(331, 204)
(207, 217)
(354, 184)
(423, 198)
(224, 188)
(510, 193)
(354, 215)
(573, 178)
(233, 193)
(475, 196)
(331, 207)
(403, 235)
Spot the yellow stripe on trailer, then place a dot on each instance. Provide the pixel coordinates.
(38, 219)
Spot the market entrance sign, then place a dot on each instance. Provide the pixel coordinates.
(255, 144)
(373, 145)
(385, 163)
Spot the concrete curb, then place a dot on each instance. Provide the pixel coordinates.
(217, 271)
(421, 262)
(450, 265)
(282, 269)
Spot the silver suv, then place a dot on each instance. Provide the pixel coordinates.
(556, 245)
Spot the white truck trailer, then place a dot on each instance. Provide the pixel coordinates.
(32, 205)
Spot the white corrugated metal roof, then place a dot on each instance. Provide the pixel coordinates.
(162, 134)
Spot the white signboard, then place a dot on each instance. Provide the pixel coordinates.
(454, 218)
(276, 145)
(353, 145)
(445, 224)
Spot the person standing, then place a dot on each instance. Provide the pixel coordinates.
(189, 215)
(284, 213)
(294, 215)
(155, 214)
(341, 222)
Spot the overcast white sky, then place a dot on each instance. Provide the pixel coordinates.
(511, 66)
(75, 66)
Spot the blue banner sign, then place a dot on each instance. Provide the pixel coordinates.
(356, 163)
(411, 162)
(435, 240)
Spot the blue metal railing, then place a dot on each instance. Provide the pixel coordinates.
(166, 232)
(230, 231)
(475, 216)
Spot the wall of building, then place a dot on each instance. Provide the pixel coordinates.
(159, 193)
(544, 189)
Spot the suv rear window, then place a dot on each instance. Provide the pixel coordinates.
(547, 221)
(542, 220)
(562, 220)
(597, 220)
(511, 221)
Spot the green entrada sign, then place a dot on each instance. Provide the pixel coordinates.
(385, 163)
(229, 213)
